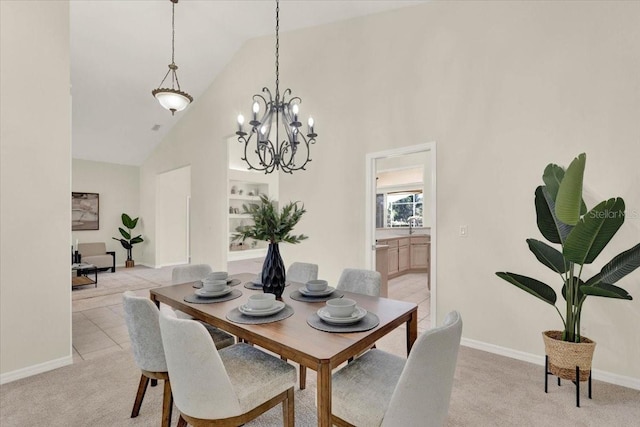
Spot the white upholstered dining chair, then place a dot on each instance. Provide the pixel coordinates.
(365, 282)
(224, 388)
(302, 272)
(412, 393)
(141, 316)
(189, 273)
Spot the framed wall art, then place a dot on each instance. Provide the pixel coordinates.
(85, 211)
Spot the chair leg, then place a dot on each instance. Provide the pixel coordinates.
(182, 422)
(154, 382)
(303, 377)
(142, 388)
(288, 409)
(167, 404)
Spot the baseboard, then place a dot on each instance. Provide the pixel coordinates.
(173, 264)
(598, 374)
(137, 263)
(35, 369)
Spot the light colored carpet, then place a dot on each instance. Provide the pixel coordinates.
(489, 390)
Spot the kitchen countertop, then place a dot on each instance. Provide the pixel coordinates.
(401, 236)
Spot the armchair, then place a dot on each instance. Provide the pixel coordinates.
(97, 254)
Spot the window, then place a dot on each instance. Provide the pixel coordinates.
(396, 209)
(403, 207)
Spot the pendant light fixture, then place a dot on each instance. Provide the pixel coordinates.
(172, 99)
(292, 152)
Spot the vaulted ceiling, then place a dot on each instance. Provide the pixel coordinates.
(120, 50)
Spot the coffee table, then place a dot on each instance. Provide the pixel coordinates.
(81, 278)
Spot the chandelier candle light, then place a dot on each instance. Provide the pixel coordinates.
(275, 154)
(172, 99)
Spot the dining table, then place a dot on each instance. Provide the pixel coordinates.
(293, 338)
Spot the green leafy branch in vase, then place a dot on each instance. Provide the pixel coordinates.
(270, 225)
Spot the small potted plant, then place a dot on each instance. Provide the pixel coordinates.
(274, 227)
(127, 241)
(563, 219)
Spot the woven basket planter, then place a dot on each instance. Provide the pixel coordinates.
(564, 356)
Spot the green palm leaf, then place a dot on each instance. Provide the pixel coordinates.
(124, 233)
(549, 256)
(549, 225)
(621, 265)
(606, 290)
(569, 198)
(576, 283)
(532, 286)
(594, 231)
(552, 178)
(128, 222)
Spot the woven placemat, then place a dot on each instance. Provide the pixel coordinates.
(236, 316)
(196, 299)
(296, 295)
(233, 282)
(253, 286)
(369, 321)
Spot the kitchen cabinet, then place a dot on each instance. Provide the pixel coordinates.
(393, 256)
(406, 254)
(420, 252)
(404, 259)
(382, 266)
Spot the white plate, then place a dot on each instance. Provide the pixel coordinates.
(202, 293)
(277, 307)
(304, 291)
(356, 316)
(199, 282)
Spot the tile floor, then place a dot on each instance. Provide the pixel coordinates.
(99, 327)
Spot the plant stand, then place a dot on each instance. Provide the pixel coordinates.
(577, 382)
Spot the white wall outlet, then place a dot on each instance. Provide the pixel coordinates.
(464, 231)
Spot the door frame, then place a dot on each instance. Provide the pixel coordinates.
(370, 211)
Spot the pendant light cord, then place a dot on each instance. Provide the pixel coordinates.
(277, 70)
(173, 32)
(277, 49)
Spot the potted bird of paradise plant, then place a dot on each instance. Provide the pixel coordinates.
(563, 219)
(128, 240)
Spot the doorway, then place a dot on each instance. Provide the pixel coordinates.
(383, 218)
(173, 196)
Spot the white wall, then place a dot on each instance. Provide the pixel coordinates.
(503, 88)
(35, 111)
(173, 189)
(118, 186)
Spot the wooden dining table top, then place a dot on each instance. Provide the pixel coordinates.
(292, 338)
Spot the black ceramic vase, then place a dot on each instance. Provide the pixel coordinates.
(273, 272)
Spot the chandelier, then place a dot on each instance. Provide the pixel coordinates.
(172, 99)
(272, 153)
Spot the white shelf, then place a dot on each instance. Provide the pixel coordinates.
(247, 182)
(243, 197)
